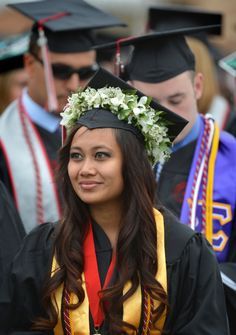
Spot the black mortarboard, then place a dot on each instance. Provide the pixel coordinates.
(161, 18)
(159, 56)
(67, 23)
(63, 26)
(101, 118)
(12, 50)
(94, 120)
(163, 54)
(105, 55)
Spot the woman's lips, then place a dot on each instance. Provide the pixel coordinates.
(88, 185)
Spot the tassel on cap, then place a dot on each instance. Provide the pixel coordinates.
(51, 92)
(119, 66)
(42, 42)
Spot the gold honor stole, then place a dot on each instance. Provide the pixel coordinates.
(79, 318)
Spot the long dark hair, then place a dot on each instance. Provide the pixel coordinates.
(136, 247)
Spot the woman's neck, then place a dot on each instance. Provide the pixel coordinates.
(109, 219)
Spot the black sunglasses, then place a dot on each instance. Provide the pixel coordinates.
(64, 72)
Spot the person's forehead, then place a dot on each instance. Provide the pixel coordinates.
(167, 89)
(73, 57)
(94, 137)
(182, 77)
(177, 83)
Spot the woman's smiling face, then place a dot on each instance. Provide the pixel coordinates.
(95, 166)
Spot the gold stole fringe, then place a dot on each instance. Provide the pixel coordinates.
(132, 306)
(210, 182)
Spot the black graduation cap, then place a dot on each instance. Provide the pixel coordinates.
(105, 55)
(12, 50)
(159, 56)
(63, 26)
(161, 18)
(104, 78)
(67, 23)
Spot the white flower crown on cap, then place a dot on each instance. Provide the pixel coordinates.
(127, 106)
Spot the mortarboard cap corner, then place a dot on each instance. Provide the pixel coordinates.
(12, 50)
(175, 17)
(104, 78)
(70, 21)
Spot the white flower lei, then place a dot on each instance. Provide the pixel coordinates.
(128, 107)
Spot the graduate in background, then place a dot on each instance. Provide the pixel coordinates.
(206, 55)
(115, 264)
(13, 77)
(59, 60)
(198, 182)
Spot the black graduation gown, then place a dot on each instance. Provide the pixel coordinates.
(229, 269)
(11, 231)
(173, 178)
(195, 293)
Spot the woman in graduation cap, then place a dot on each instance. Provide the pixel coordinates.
(115, 264)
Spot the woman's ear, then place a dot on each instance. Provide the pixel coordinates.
(198, 85)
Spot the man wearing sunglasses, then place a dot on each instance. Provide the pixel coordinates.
(60, 59)
(69, 71)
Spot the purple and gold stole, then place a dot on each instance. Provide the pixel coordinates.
(210, 195)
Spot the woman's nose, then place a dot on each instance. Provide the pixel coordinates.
(87, 168)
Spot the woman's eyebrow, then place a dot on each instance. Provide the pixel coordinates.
(96, 147)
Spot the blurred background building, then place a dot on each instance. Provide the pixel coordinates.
(134, 13)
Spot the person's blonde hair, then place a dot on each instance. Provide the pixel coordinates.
(205, 65)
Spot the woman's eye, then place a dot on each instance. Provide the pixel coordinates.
(101, 155)
(75, 155)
